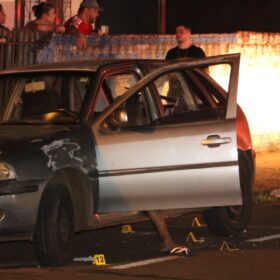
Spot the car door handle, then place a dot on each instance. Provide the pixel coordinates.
(213, 141)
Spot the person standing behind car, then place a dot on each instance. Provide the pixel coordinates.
(45, 22)
(81, 24)
(185, 48)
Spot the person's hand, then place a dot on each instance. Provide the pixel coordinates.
(3, 40)
(81, 42)
(60, 29)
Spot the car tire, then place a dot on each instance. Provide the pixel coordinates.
(225, 221)
(53, 240)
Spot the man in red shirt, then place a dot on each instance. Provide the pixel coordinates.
(81, 24)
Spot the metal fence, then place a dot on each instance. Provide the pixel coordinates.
(25, 48)
(17, 49)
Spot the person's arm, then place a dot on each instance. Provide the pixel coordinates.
(81, 41)
(60, 29)
(201, 54)
(71, 29)
(168, 55)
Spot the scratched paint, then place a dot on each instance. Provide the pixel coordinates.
(58, 151)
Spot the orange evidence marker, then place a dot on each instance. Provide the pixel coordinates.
(127, 229)
(197, 223)
(226, 247)
(191, 237)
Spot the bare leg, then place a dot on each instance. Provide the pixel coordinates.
(160, 224)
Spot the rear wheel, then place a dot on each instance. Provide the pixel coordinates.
(233, 219)
(53, 240)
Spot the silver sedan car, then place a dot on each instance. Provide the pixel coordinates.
(90, 144)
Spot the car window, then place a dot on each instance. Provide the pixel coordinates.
(188, 96)
(77, 91)
(214, 90)
(112, 87)
(221, 74)
(102, 101)
(175, 93)
(7, 87)
(44, 97)
(118, 84)
(130, 114)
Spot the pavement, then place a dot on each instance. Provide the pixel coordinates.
(252, 255)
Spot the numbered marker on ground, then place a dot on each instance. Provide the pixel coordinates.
(226, 247)
(127, 229)
(99, 260)
(191, 237)
(197, 223)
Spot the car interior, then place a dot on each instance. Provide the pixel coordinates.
(48, 97)
(190, 98)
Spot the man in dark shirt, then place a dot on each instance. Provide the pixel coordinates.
(185, 48)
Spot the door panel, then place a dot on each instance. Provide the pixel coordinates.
(168, 167)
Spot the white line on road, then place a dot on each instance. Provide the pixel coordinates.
(262, 227)
(265, 238)
(145, 262)
(145, 233)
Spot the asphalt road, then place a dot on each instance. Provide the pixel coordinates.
(253, 255)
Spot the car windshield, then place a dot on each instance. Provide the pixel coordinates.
(43, 97)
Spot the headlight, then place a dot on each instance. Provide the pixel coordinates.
(6, 173)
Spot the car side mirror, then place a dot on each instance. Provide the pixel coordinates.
(116, 120)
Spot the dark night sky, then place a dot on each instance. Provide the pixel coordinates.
(204, 16)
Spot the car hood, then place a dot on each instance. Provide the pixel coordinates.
(36, 151)
(13, 133)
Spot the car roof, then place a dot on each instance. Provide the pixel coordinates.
(95, 65)
(86, 65)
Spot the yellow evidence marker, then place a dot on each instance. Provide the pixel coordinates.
(225, 246)
(197, 223)
(191, 237)
(127, 229)
(99, 260)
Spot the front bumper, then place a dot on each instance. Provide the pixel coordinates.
(13, 187)
(19, 203)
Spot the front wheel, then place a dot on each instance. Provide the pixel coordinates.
(53, 240)
(233, 219)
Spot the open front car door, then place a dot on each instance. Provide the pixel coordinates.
(169, 141)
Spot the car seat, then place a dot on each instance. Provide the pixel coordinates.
(39, 103)
(135, 110)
